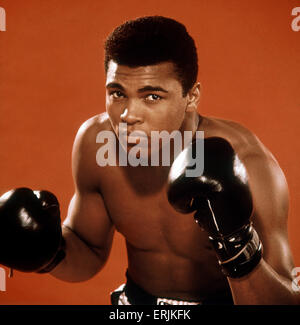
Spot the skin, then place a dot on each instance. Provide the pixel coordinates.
(168, 254)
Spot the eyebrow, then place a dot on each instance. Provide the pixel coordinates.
(115, 85)
(141, 90)
(152, 88)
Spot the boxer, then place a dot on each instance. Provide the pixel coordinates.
(237, 251)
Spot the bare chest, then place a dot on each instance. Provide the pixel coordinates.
(138, 206)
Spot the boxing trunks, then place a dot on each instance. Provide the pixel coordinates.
(130, 293)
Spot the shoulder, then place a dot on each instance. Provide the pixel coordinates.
(266, 178)
(259, 160)
(85, 148)
(89, 129)
(85, 139)
(243, 140)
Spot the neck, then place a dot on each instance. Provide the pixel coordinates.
(191, 122)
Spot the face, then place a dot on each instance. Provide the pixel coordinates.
(147, 98)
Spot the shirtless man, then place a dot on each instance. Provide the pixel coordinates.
(151, 71)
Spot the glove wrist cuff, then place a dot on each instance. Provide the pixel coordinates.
(240, 252)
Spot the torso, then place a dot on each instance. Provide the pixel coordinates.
(168, 254)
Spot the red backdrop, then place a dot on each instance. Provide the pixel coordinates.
(52, 79)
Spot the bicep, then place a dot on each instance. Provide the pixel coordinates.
(87, 215)
(271, 201)
(88, 219)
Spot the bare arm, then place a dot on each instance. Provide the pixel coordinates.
(87, 230)
(271, 281)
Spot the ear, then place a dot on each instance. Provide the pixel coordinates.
(193, 98)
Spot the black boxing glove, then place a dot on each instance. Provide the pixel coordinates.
(30, 231)
(223, 203)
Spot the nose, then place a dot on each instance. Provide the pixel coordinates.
(131, 115)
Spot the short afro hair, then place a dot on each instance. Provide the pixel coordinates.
(151, 40)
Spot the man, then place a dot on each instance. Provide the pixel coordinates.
(151, 85)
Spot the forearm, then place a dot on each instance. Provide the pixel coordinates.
(263, 286)
(80, 263)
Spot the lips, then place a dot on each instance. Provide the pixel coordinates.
(137, 138)
(136, 135)
(131, 136)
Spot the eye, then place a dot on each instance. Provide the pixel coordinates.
(153, 97)
(116, 94)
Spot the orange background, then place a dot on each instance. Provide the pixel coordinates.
(52, 79)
